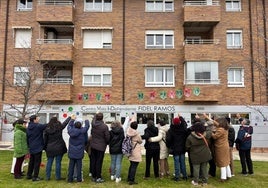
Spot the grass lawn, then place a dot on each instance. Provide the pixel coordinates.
(258, 180)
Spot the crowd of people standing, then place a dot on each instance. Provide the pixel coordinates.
(208, 141)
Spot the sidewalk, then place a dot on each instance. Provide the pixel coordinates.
(254, 156)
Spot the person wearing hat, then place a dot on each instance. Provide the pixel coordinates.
(175, 140)
(20, 146)
(199, 152)
(36, 145)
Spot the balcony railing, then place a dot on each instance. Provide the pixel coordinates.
(55, 80)
(55, 2)
(54, 41)
(201, 41)
(201, 3)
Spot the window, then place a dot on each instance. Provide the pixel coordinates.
(97, 76)
(25, 5)
(23, 37)
(159, 76)
(234, 39)
(201, 73)
(233, 5)
(159, 6)
(21, 76)
(235, 77)
(160, 39)
(98, 5)
(97, 38)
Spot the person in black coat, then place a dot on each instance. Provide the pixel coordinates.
(152, 149)
(117, 136)
(55, 146)
(175, 140)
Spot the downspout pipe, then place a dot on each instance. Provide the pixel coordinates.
(265, 45)
(251, 51)
(123, 51)
(5, 52)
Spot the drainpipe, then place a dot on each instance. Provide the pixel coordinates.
(123, 58)
(265, 45)
(251, 51)
(5, 52)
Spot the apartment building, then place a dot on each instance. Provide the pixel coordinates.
(151, 58)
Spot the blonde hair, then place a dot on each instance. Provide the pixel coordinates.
(116, 123)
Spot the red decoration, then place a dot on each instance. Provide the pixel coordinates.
(187, 92)
(152, 95)
(80, 96)
(107, 97)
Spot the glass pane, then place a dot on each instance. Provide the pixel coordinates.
(169, 6)
(150, 5)
(230, 76)
(169, 40)
(150, 75)
(150, 40)
(238, 77)
(169, 75)
(159, 40)
(237, 39)
(159, 75)
(159, 5)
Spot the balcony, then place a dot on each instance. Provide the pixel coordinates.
(55, 11)
(56, 89)
(205, 12)
(54, 49)
(202, 93)
(202, 50)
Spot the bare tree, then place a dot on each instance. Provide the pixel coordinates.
(25, 86)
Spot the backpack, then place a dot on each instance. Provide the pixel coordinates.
(127, 146)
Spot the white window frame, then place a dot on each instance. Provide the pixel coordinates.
(22, 37)
(159, 5)
(97, 76)
(156, 35)
(95, 7)
(97, 38)
(21, 76)
(230, 5)
(192, 68)
(234, 43)
(233, 79)
(27, 7)
(153, 80)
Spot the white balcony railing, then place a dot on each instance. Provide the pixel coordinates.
(55, 2)
(201, 41)
(55, 80)
(54, 41)
(202, 3)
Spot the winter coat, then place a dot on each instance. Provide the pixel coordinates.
(244, 138)
(221, 146)
(77, 140)
(20, 141)
(136, 143)
(117, 136)
(35, 138)
(100, 135)
(54, 143)
(176, 138)
(161, 138)
(198, 150)
(149, 132)
(231, 136)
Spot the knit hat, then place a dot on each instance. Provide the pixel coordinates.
(176, 121)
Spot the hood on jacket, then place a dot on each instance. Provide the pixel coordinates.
(131, 132)
(117, 130)
(197, 136)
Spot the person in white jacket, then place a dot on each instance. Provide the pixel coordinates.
(161, 138)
